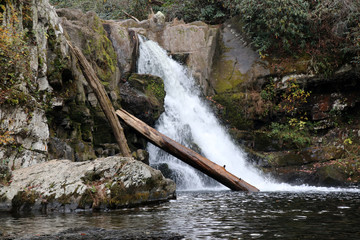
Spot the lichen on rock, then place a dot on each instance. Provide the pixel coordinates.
(64, 186)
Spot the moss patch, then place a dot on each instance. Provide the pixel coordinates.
(100, 51)
(231, 110)
(24, 200)
(152, 86)
(226, 76)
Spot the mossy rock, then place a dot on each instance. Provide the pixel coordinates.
(233, 109)
(100, 51)
(24, 201)
(331, 175)
(143, 95)
(152, 86)
(226, 76)
(305, 156)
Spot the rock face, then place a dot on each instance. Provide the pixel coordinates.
(29, 131)
(105, 183)
(197, 41)
(23, 116)
(235, 63)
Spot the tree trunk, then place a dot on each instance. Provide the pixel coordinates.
(186, 155)
(103, 99)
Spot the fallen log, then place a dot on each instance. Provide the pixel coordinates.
(185, 154)
(103, 99)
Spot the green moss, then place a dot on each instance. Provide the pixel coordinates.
(226, 76)
(3, 198)
(65, 199)
(101, 53)
(121, 197)
(24, 200)
(122, 34)
(152, 86)
(155, 87)
(86, 200)
(331, 174)
(233, 110)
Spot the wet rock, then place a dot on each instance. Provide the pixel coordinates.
(166, 171)
(64, 186)
(199, 42)
(181, 58)
(143, 96)
(61, 149)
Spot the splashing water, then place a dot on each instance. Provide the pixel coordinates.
(189, 120)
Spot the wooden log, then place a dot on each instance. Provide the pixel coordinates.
(185, 154)
(103, 99)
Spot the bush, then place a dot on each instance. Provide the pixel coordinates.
(109, 9)
(209, 11)
(276, 24)
(14, 52)
(335, 29)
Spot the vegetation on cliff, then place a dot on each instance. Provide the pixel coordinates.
(14, 57)
(14, 49)
(326, 30)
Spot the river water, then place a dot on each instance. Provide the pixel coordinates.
(217, 215)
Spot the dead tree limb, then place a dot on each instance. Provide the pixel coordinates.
(130, 16)
(103, 99)
(186, 155)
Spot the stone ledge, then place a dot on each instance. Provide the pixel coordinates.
(65, 186)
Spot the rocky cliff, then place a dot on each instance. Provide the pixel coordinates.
(48, 111)
(295, 123)
(298, 124)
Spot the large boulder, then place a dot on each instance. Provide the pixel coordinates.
(105, 183)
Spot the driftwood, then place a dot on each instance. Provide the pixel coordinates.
(186, 155)
(130, 16)
(103, 99)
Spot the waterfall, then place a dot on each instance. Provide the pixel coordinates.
(189, 120)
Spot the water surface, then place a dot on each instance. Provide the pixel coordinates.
(218, 215)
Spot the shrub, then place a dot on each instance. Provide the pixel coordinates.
(209, 11)
(276, 24)
(335, 30)
(295, 132)
(109, 9)
(14, 53)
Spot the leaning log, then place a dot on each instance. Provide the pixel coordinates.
(185, 154)
(103, 99)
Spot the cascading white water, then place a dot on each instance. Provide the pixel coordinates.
(188, 120)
